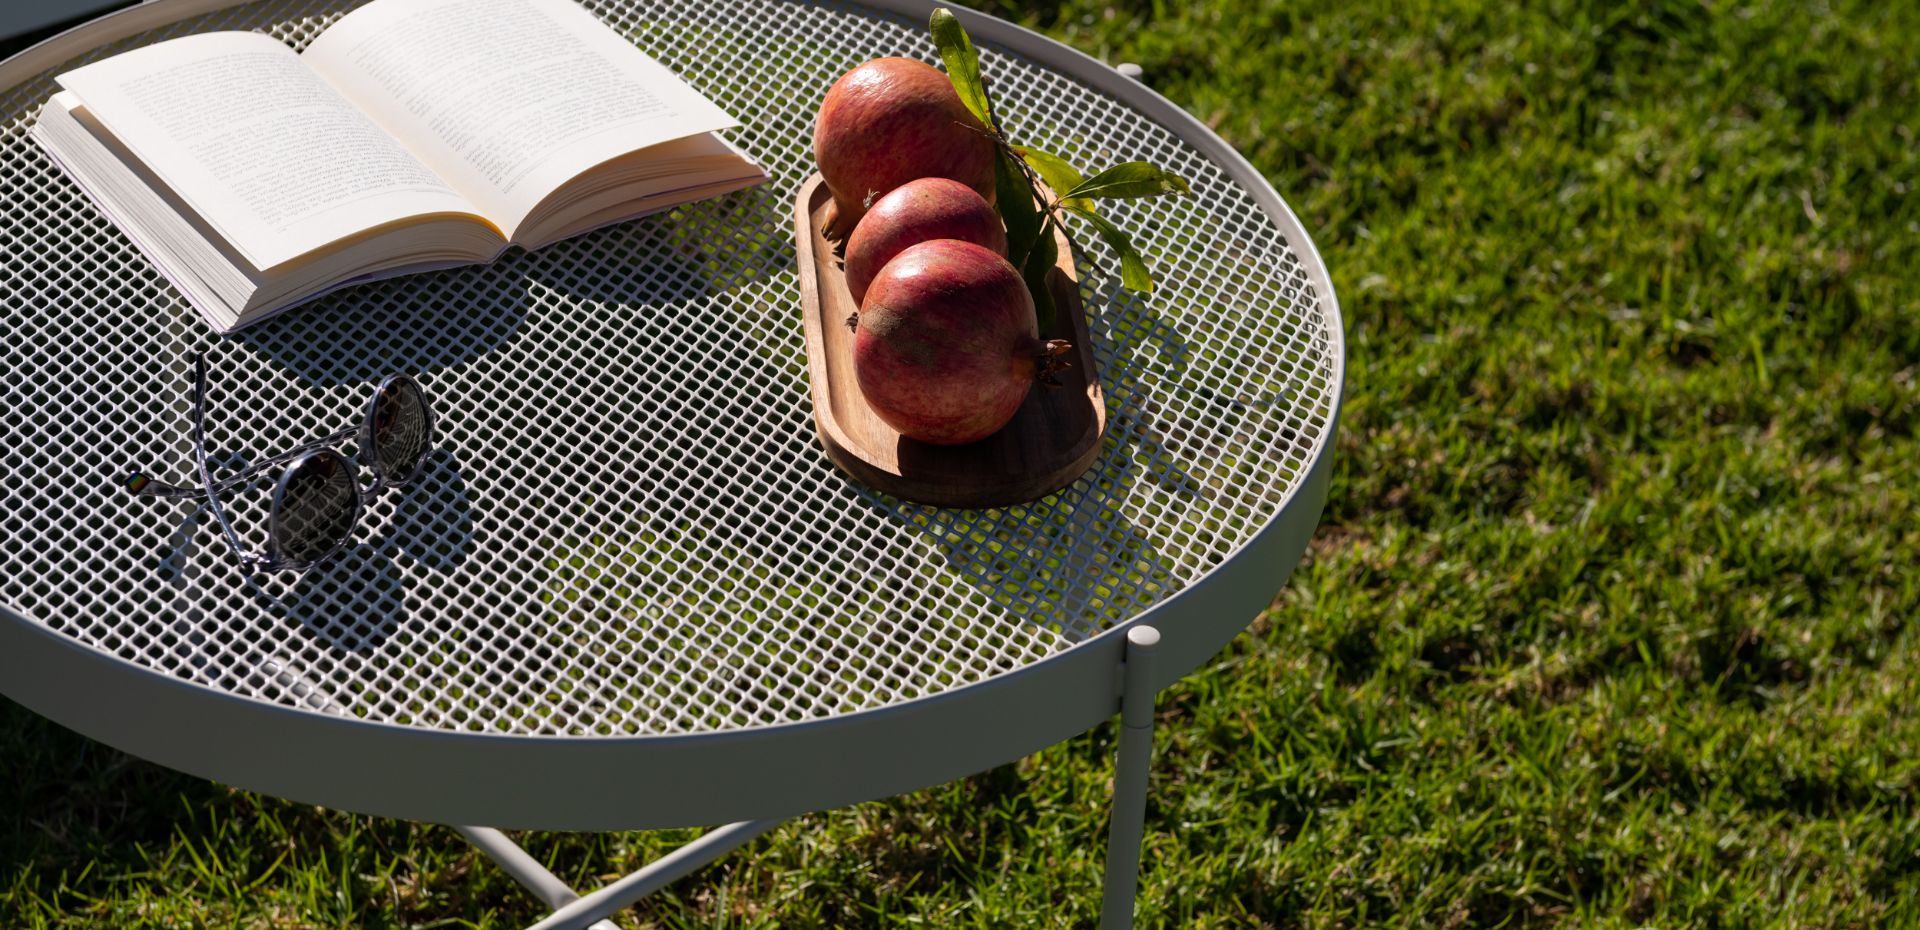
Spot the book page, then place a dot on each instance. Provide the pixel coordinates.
(265, 151)
(507, 99)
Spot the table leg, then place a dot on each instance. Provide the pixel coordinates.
(1131, 765)
(571, 910)
(583, 914)
(526, 870)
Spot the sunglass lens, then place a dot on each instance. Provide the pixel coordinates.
(314, 508)
(400, 429)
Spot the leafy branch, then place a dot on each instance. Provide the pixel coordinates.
(1034, 189)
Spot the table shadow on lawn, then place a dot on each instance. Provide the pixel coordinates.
(68, 801)
(81, 823)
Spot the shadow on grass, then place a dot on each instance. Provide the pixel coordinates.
(68, 801)
(84, 828)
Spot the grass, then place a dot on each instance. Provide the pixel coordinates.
(1609, 623)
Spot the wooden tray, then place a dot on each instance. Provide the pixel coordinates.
(1052, 439)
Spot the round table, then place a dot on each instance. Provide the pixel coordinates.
(630, 590)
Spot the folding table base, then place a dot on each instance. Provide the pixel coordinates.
(574, 911)
(1133, 759)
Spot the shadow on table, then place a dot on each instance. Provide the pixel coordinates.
(683, 259)
(413, 325)
(356, 600)
(1139, 343)
(663, 336)
(658, 348)
(432, 521)
(1073, 563)
(352, 602)
(635, 343)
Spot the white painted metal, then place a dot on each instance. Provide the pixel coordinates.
(1133, 761)
(674, 865)
(630, 591)
(517, 862)
(546, 886)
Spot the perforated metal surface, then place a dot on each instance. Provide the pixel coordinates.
(628, 526)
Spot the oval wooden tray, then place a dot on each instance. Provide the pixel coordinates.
(1049, 443)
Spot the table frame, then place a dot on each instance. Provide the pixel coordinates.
(1122, 669)
(1127, 828)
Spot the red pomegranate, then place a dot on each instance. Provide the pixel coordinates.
(946, 345)
(888, 122)
(915, 212)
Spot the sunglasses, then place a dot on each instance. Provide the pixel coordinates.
(318, 499)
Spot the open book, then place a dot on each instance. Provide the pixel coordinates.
(410, 135)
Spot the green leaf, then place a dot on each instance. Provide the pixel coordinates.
(1055, 171)
(1133, 179)
(1014, 198)
(1039, 262)
(1133, 268)
(963, 63)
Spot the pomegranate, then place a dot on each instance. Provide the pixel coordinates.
(915, 212)
(887, 122)
(946, 346)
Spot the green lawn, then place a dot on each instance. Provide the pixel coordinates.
(1609, 621)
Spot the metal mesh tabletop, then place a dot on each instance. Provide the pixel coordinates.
(627, 526)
